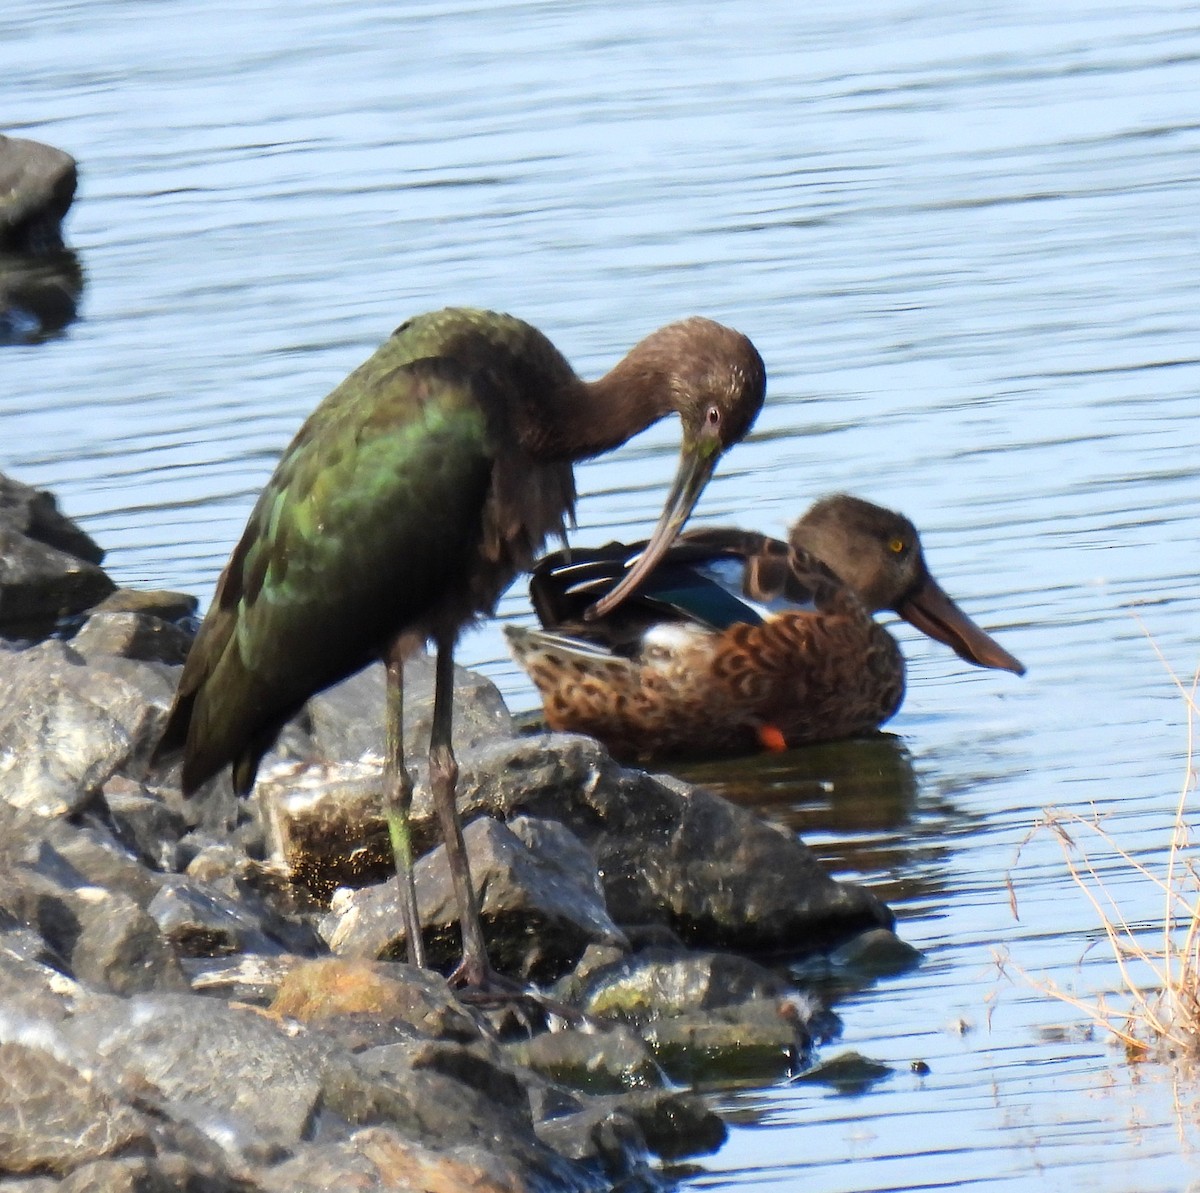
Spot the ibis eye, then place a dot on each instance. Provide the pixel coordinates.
(712, 416)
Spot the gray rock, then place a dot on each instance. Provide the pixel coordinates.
(254, 978)
(120, 948)
(68, 727)
(381, 1157)
(89, 855)
(37, 185)
(144, 822)
(706, 1017)
(39, 294)
(208, 1063)
(599, 1134)
(669, 854)
(542, 907)
(34, 514)
(175, 607)
(324, 823)
(33, 990)
(875, 954)
(49, 567)
(347, 720)
(674, 1125)
(55, 1116)
(39, 584)
(656, 984)
(847, 1073)
(757, 1041)
(133, 636)
(595, 1062)
(138, 1174)
(201, 921)
(453, 1096)
(44, 905)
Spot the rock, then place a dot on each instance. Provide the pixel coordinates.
(132, 1174)
(875, 954)
(705, 1017)
(674, 1125)
(131, 623)
(599, 1134)
(318, 990)
(34, 514)
(379, 1157)
(757, 1041)
(49, 568)
(452, 1096)
(325, 823)
(55, 1117)
(81, 855)
(40, 584)
(208, 1063)
(175, 607)
(347, 720)
(120, 948)
(33, 990)
(656, 984)
(67, 727)
(201, 921)
(143, 822)
(132, 636)
(541, 908)
(668, 854)
(37, 185)
(46, 906)
(597, 1063)
(847, 1073)
(253, 979)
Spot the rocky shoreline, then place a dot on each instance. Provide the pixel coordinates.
(205, 995)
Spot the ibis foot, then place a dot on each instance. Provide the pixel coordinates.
(479, 985)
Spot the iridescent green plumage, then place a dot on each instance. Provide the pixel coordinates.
(361, 531)
(403, 508)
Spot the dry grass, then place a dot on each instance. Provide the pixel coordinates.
(1160, 977)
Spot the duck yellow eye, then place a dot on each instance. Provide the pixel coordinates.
(896, 546)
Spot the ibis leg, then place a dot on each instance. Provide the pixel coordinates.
(398, 791)
(443, 779)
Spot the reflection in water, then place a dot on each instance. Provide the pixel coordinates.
(39, 294)
(851, 786)
(854, 802)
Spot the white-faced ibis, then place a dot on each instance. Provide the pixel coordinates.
(403, 508)
(737, 642)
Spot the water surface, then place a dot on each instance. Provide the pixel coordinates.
(964, 237)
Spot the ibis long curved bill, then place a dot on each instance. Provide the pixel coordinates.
(697, 462)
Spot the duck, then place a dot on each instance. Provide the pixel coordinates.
(737, 642)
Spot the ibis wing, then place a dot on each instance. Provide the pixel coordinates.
(372, 524)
